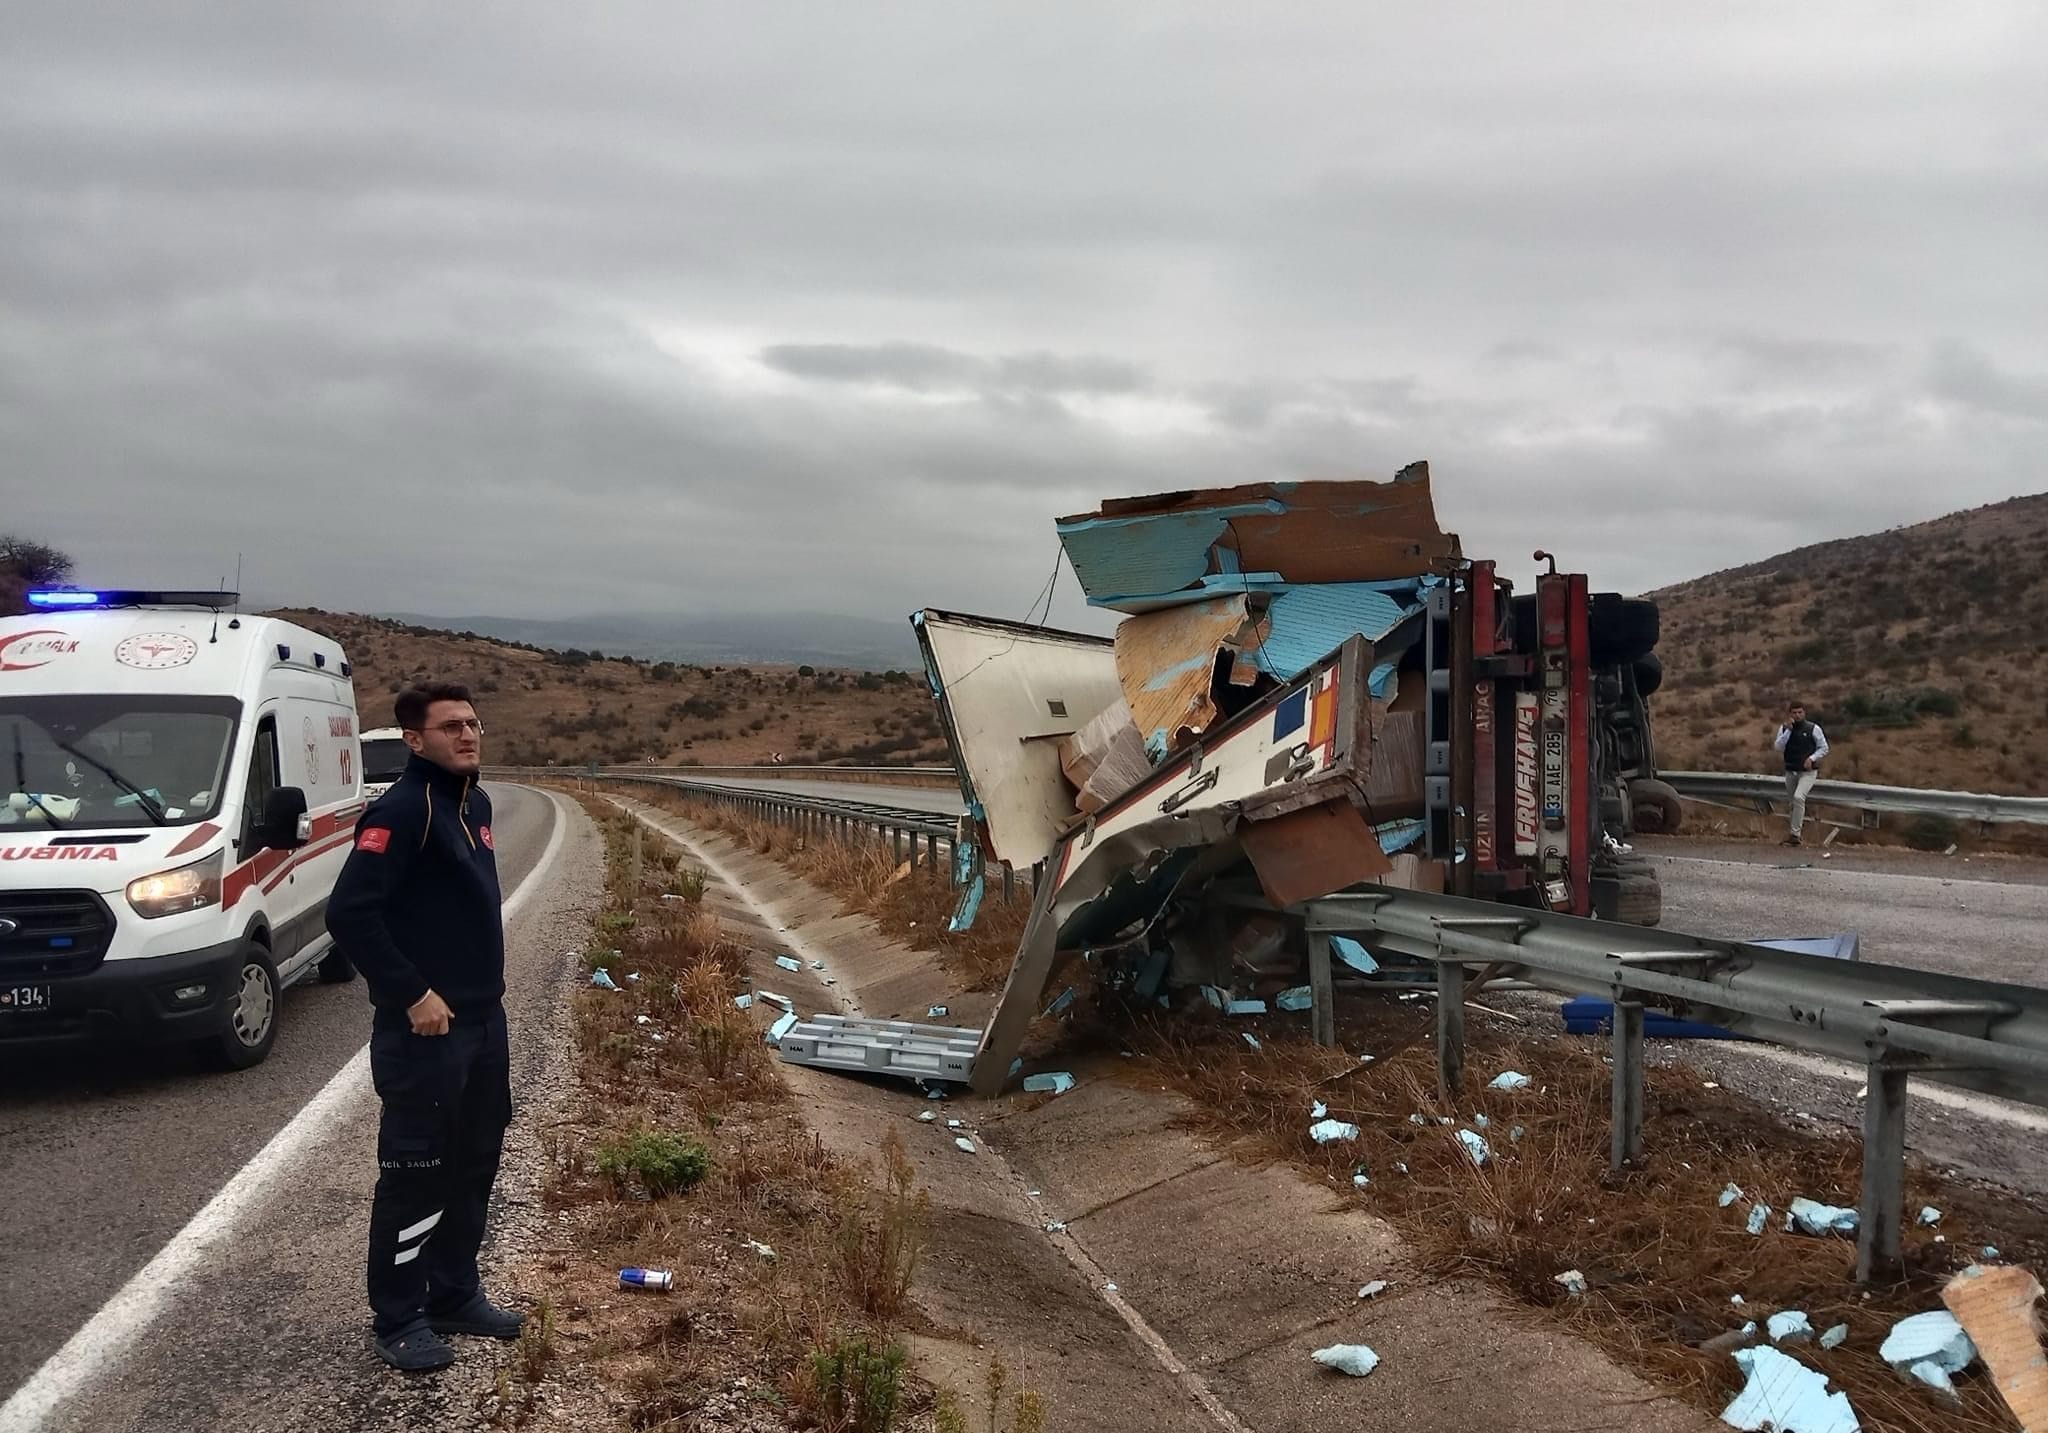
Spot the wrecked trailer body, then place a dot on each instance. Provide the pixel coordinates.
(1311, 690)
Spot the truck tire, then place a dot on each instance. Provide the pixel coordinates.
(1649, 674)
(1640, 900)
(336, 968)
(1656, 806)
(251, 1025)
(1621, 629)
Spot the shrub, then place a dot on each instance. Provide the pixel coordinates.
(663, 1163)
(856, 1384)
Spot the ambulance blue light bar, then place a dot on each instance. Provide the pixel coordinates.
(78, 599)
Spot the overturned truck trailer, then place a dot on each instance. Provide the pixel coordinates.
(1311, 689)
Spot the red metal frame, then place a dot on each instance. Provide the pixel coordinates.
(1485, 721)
(1585, 813)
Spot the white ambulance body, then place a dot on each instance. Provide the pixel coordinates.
(384, 757)
(178, 791)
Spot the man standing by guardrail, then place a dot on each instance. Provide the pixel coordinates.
(1802, 744)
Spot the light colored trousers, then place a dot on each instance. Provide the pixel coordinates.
(1797, 785)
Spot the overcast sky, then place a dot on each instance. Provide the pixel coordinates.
(532, 308)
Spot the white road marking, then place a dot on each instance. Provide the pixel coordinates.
(106, 1338)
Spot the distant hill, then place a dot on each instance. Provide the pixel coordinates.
(1923, 652)
(542, 705)
(817, 639)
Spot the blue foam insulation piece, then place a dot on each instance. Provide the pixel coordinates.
(1310, 621)
(1588, 1015)
(1215, 584)
(1353, 954)
(1148, 552)
(1399, 835)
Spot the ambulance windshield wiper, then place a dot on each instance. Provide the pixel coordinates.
(21, 781)
(148, 803)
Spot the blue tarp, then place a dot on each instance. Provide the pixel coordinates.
(1588, 1015)
(1307, 623)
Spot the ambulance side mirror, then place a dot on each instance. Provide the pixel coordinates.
(285, 824)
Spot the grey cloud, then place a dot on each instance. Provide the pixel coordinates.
(1963, 375)
(925, 368)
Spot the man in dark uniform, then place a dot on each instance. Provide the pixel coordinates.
(417, 910)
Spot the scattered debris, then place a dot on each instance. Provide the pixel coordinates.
(1245, 1007)
(1509, 1080)
(782, 1026)
(1474, 1146)
(1417, 1120)
(1789, 1326)
(1214, 996)
(769, 997)
(1759, 1216)
(817, 965)
(1480, 1122)
(1835, 1337)
(602, 979)
(1735, 1299)
(1515, 1135)
(1298, 998)
(964, 1145)
(1730, 1193)
(1061, 1001)
(789, 962)
(1251, 1040)
(1996, 1310)
(1929, 1216)
(1573, 1281)
(1989, 1251)
(1109, 1288)
(956, 1124)
(1331, 1131)
(744, 1002)
(1928, 1348)
(1810, 1216)
(1373, 1289)
(1784, 1395)
(936, 1012)
(1056, 1082)
(647, 1281)
(926, 1117)
(643, 1019)
(1352, 1358)
(764, 1252)
(1353, 954)
(1359, 1181)
(1317, 1110)
(1058, 1226)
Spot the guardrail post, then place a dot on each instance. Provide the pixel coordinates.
(1322, 994)
(1450, 1028)
(1881, 1210)
(1625, 1140)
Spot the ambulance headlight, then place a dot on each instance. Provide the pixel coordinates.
(187, 888)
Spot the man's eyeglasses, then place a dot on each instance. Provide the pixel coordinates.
(453, 729)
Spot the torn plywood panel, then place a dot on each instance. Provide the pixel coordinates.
(1995, 1306)
(1104, 759)
(1134, 553)
(1166, 662)
(1306, 854)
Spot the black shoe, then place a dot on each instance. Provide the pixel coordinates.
(1791, 841)
(415, 1350)
(481, 1318)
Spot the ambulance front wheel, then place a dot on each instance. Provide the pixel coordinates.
(250, 1028)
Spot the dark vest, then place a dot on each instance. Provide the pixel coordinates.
(1799, 746)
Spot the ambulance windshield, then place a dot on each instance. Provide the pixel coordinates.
(384, 759)
(110, 761)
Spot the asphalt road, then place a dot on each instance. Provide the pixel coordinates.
(108, 1152)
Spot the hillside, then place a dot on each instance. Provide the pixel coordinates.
(1923, 652)
(545, 706)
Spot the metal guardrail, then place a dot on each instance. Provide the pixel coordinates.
(1897, 1021)
(1769, 791)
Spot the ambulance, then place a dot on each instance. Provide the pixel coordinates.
(384, 757)
(179, 785)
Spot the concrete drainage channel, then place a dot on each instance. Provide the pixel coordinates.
(1135, 1275)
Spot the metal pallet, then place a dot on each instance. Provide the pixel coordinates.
(883, 1047)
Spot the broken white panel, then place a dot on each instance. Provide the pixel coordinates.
(1373, 1289)
(1759, 1216)
(1012, 693)
(789, 962)
(1352, 1358)
(1055, 1082)
(1783, 1395)
(1929, 1215)
(1474, 1146)
(1730, 1192)
(1509, 1080)
(1317, 1110)
(1572, 1280)
(1835, 1337)
(1332, 1131)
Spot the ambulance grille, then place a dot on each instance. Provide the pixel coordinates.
(53, 933)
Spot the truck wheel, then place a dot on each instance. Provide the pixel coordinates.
(1621, 629)
(1639, 900)
(251, 1027)
(1656, 806)
(1649, 674)
(336, 968)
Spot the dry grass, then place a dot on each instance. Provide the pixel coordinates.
(739, 1325)
(911, 907)
(1661, 1258)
